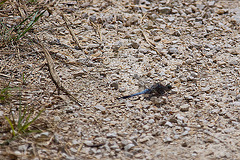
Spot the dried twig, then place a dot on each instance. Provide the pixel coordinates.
(99, 32)
(141, 20)
(152, 44)
(54, 75)
(71, 31)
(6, 63)
(97, 29)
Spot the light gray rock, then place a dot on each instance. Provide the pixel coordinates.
(128, 147)
(112, 135)
(184, 108)
(100, 107)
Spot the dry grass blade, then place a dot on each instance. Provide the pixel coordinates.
(54, 75)
(97, 28)
(71, 31)
(147, 39)
(152, 44)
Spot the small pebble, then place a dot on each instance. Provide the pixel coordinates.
(184, 108)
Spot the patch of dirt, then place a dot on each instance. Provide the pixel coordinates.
(103, 50)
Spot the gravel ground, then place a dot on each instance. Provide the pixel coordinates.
(125, 48)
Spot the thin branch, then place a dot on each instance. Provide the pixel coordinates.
(53, 73)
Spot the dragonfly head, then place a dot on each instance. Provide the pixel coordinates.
(169, 87)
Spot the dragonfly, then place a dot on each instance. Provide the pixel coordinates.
(157, 89)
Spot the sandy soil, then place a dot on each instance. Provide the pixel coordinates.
(123, 47)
